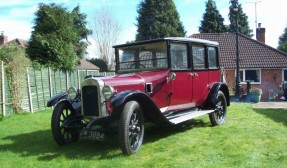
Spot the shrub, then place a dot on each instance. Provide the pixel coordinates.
(256, 90)
(16, 61)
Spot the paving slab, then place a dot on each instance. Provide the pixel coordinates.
(271, 105)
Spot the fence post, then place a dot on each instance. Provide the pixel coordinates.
(78, 78)
(67, 80)
(50, 82)
(36, 85)
(3, 89)
(29, 91)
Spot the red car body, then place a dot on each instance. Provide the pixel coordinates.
(168, 81)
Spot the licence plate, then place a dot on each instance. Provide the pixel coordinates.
(92, 134)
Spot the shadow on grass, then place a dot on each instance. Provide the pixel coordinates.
(41, 144)
(155, 132)
(277, 115)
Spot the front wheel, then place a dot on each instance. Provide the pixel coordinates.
(63, 130)
(218, 116)
(131, 128)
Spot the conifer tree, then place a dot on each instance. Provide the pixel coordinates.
(157, 19)
(212, 21)
(242, 19)
(283, 41)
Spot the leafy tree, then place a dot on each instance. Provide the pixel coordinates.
(283, 41)
(16, 62)
(57, 39)
(242, 19)
(157, 19)
(212, 20)
(100, 63)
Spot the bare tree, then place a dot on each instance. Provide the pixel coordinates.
(106, 31)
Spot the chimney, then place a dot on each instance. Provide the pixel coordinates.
(260, 33)
(3, 38)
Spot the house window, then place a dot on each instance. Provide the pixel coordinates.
(253, 75)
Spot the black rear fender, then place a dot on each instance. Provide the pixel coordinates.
(211, 98)
(151, 111)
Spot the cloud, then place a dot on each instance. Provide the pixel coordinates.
(92, 49)
(16, 29)
(26, 12)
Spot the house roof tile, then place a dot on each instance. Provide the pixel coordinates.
(21, 42)
(86, 65)
(252, 53)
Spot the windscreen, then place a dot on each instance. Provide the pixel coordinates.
(142, 57)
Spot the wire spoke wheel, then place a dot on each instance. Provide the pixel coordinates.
(131, 128)
(218, 116)
(63, 130)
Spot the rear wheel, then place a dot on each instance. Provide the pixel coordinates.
(218, 116)
(63, 130)
(131, 128)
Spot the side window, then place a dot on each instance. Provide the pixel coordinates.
(198, 57)
(178, 54)
(212, 58)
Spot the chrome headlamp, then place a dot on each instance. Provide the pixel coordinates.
(108, 91)
(72, 93)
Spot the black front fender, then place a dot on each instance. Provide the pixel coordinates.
(55, 99)
(151, 111)
(75, 105)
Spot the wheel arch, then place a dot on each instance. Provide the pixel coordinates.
(150, 110)
(211, 98)
(74, 106)
(56, 99)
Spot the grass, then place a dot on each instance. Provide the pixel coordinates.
(249, 138)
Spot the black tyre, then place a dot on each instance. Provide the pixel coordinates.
(64, 132)
(131, 128)
(218, 116)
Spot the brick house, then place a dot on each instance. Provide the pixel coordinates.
(264, 65)
(84, 64)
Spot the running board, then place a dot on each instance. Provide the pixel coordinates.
(187, 115)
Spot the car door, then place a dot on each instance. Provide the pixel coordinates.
(181, 85)
(200, 74)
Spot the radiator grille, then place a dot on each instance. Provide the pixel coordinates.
(90, 101)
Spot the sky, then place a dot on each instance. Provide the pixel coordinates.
(16, 16)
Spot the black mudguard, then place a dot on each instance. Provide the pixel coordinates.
(151, 111)
(55, 99)
(211, 98)
(63, 97)
(75, 105)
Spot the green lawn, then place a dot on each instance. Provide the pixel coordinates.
(249, 138)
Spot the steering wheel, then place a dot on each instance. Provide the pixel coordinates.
(133, 65)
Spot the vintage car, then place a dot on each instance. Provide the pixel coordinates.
(166, 81)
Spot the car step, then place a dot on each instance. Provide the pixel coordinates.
(186, 115)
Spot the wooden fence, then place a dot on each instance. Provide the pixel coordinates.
(40, 86)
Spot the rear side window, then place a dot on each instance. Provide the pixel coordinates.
(178, 54)
(198, 56)
(212, 58)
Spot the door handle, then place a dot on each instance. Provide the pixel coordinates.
(193, 74)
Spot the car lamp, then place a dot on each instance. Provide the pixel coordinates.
(108, 91)
(72, 93)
